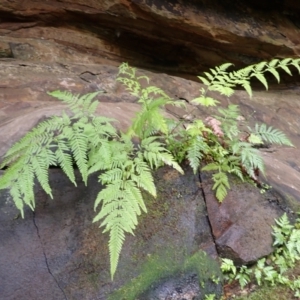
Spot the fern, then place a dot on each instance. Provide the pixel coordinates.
(93, 144)
(221, 185)
(150, 120)
(272, 135)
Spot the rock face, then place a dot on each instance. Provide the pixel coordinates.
(179, 37)
(57, 253)
(59, 244)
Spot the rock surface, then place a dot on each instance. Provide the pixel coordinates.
(57, 253)
(179, 37)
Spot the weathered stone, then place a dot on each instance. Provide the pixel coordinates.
(58, 253)
(75, 46)
(241, 224)
(179, 37)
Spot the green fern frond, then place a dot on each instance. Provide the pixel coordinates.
(116, 240)
(261, 78)
(78, 105)
(103, 151)
(205, 101)
(40, 168)
(26, 183)
(143, 177)
(221, 185)
(122, 201)
(272, 135)
(168, 159)
(250, 158)
(17, 197)
(195, 151)
(78, 145)
(156, 154)
(132, 85)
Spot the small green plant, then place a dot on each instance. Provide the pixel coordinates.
(223, 142)
(272, 270)
(125, 169)
(210, 297)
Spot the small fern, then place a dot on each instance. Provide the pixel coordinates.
(150, 120)
(228, 126)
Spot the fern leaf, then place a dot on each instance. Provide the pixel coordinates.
(259, 67)
(100, 158)
(121, 205)
(16, 195)
(155, 153)
(209, 76)
(271, 135)
(211, 167)
(261, 78)
(88, 104)
(12, 173)
(273, 62)
(204, 80)
(40, 168)
(26, 183)
(225, 66)
(286, 69)
(78, 145)
(221, 185)
(255, 139)
(116, 240)
(144, 178)
(205, 101)
(296, 65)
(251, 159)
(246, 85)
(65, 160)
(195, 152)
(285, 61)
(275, 73)
(169, 160)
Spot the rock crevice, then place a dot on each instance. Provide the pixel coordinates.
(45, 256)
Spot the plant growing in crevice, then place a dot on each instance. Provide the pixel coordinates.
(125, 169)
(274, 269)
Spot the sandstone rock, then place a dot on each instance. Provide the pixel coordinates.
(58, 253)
(182, 37)
(241, 224)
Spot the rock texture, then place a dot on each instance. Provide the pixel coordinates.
(57, 253)
(76, 265)
(179, 37)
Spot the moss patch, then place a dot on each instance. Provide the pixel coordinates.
(158, 268)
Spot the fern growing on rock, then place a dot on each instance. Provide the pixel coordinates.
(81, 137)
(94, 145)
(232, 144)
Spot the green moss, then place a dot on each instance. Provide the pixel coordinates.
(171, 263)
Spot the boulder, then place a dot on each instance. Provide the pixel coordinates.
(58, 253)
(241, 224)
